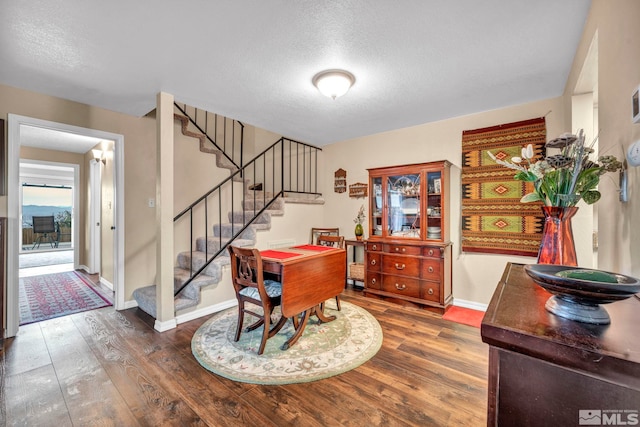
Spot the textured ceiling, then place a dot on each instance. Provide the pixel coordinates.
(414, 61)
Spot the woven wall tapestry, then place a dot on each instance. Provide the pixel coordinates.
(493, 218)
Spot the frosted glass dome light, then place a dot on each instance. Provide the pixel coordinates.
(333, 83)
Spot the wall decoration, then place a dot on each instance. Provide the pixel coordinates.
(340, 181)
(358, 190)
(493, 218)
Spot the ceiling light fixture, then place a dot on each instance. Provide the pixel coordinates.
(333, 83)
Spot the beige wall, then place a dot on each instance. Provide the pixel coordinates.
(618, 31)
(475, 276)
(139, 141)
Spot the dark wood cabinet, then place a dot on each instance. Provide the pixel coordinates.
(407, 253)
(547, 370)
(3, 280)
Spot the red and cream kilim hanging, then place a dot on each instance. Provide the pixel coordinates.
(493, 218)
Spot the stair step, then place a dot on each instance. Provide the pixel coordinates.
(146, 299)
(228, 230)
(214, 244)
(258, 202)
(214, 269)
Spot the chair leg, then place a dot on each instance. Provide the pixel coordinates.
(338, 302)
(265, 332)
(240, 320)
(278, 326)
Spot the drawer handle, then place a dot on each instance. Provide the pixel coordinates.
(430, 269)
(373, 262)
(400, 267)
(403, 249)
(430, 252)
(401, 287)
(430, 291)
(373, 281)
(374, 247)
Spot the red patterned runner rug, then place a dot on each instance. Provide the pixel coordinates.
(493, 218)
(55, 295)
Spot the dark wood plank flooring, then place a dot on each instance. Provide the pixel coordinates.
(104, 367)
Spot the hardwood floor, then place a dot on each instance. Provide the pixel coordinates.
(104, 367)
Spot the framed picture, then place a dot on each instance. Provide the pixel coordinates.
(635, 105)
(436, 186)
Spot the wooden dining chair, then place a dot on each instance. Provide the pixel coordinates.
(323, 231)
(336, 242)
(333, 241)
(251, 287)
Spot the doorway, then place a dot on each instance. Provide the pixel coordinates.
(20, 128)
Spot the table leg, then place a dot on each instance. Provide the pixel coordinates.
(299, 330)
(317, 310)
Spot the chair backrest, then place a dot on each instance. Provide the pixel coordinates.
(43, 224)
(246, 270)
(333, 241)
(322, 231)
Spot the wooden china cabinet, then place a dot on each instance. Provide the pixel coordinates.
(408, 252)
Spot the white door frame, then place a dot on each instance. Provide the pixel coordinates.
(95, 214)
(13, 181)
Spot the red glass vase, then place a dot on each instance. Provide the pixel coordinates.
(557, 246)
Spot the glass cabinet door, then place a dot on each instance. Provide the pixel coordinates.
(434, 205)
(403, 206)
(376, 208)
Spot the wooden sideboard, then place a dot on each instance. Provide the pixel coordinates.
(547, 370)
(409, 273)
(3, 280)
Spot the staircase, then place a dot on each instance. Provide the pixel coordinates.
(203, 264)
(189, 261)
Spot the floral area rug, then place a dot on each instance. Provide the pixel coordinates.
(55, 295)
(324, 350)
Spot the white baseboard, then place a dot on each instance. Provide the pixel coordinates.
(84, 267)
(107, 283)
(130, 304)
(206, 311)
(165, 326)
(470, 304)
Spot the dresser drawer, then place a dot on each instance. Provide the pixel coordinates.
(432, 251)
(373, 261)
(374, 246)
(430, 269)
(402, 265)
(431, 291)
(402, 249)
(373, 280)
(399, 285)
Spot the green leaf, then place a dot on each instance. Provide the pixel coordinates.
(590, 197)
(531, 197)
(525, 176)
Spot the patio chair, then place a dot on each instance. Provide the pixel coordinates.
(44, 226)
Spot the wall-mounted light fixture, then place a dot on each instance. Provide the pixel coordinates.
(98, 156)
(333, 83)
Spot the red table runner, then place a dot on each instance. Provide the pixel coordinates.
(314, 247)
(277, 254)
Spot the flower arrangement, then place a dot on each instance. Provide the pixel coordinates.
(562, 179)
(360, 217)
